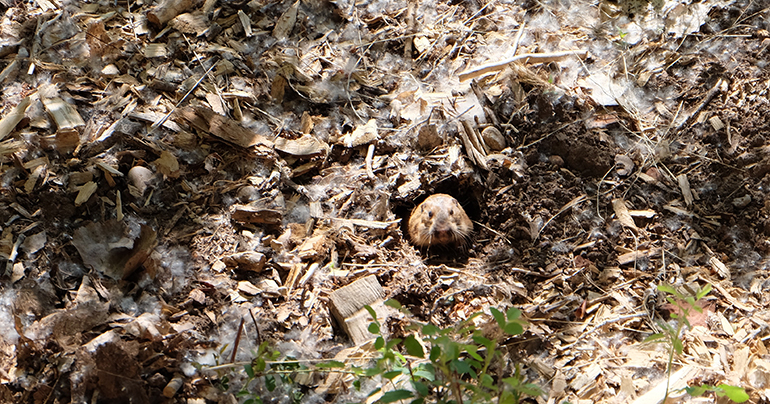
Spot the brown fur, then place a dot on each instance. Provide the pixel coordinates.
(439, 220)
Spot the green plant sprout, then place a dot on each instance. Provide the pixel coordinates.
(457, 367)
(452, 365)
(670, 336)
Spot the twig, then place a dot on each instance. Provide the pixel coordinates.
(527, 57)
(256, 326)
(569, 205)
(369, 161)
(197, 83)
(237, 341)
(518, 38)
(712, 92)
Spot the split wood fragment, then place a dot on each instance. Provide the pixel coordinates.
(347, 306)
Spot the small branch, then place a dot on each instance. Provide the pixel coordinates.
(527, 57)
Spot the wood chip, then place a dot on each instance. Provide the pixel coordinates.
(63, 113)
(347, 306)
(621, 212)
(684, 186)
(632, 256)
(222, 127)
(250, 214)
(363, 134)
(305, 146)
(9, 122)
(248, 260)
(285, 23)
(85, 193)
(165, 10)
(347, 300)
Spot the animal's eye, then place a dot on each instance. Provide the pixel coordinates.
(451, 212)
(430, 214)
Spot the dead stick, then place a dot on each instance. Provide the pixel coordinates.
(259, 337)
(237, 341)
(528, 57)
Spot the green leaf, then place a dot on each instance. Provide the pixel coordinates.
(487, 381)
(654, 337)
(461, 366)
(472, 351)
(499, 316)
(507, 398)
(395, 395)
(379, 343)
(667, 289)
(430, 329)
(393, 343)
(222, 350)
(413, 347)
(678, 346)
(225, 383)
(452, 350)
(259, 364)
(357, 384)
(512, 381)
(418, 401)
(697, 391)
(374, 328)
(421, 388)
(483, 341)
(703, 292)
(374, 371)
(735, 393)
(513, 329)
(513, 314)
(391, 375)
(372, 313)
(330, 364)
(435, 352)
(426, 372)
(270, 382)
(249, 370)
(242, 393)
(393, 303)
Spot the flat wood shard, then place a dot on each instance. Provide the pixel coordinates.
(347, 306)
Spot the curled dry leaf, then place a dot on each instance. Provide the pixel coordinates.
(363, 134)
(167, 164)
(623, 165)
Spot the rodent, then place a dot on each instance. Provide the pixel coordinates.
(439, 220)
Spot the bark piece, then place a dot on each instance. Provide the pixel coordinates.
(166, 10)
(250, 260)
